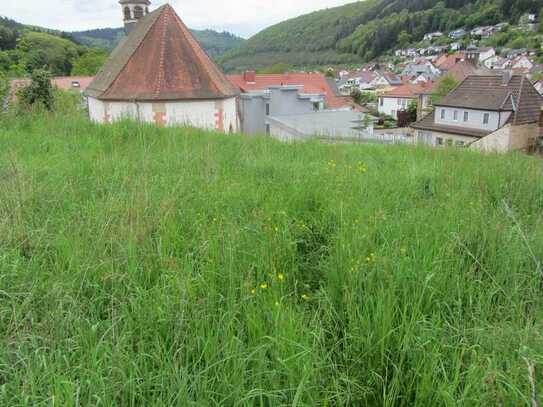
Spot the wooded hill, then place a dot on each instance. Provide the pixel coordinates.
(215, 43)
(364, 30)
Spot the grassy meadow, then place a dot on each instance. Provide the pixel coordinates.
(146, 267)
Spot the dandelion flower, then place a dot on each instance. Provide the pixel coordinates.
(280, 276)
(253, 291)
(264, 286)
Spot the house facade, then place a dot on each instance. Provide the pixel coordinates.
(489, 113)
(257, 107)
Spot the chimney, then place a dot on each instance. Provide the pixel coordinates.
(249, 76)
(506, 77)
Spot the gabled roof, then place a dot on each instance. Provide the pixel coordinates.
(408, 90)
(491, 93)
(310, 82)
(461, 70)
(160, 60)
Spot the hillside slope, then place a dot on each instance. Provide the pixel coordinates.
(215, 43)
(145, 266)
(366, 29)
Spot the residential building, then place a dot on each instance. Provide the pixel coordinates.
(386, 80)
(479, 55)
(458, 34)
(399, 98)
(490, 113)
(461, 70)
(431, 36)
(416, 69)
(281, 100)
(311, 83)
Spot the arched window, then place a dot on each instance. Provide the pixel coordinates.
(127, 14)
(138, 12)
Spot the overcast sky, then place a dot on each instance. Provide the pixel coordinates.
(242, 17)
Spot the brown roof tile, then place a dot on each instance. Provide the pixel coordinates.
(160, 60)
(491, 93)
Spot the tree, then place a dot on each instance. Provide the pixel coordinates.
(443, 87)
(89, 63)
(40, 91)
(404, 39)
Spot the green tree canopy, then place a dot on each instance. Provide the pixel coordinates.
(89, 63)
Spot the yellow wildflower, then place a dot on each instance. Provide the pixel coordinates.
(280, 276)
(305, 297)
(264, 286)
(253, 291)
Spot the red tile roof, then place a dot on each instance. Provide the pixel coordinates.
(408, 90)
(311, 82)
(160, 60)
(446, 62)
(68, 82)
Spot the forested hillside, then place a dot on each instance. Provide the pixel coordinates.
(215, 43)
(367, 29)
(25, 48)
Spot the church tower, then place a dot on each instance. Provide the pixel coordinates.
(133, 10)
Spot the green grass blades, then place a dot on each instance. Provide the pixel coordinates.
(143, 266)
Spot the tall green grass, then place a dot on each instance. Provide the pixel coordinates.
(144, 266)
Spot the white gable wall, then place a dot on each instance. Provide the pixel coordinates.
(207, 114)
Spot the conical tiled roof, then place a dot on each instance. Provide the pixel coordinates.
(160, 60)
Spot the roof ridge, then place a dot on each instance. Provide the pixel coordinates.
(160, 76)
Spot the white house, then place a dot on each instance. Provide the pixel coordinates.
(489, 113)
(431, 36)
(159, 74)
(398, 99)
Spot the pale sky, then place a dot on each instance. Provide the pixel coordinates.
(242, 17)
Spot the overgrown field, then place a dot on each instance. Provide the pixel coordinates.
(143, 266)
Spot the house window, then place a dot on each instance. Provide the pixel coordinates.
(76, 84)
(449, 142)
(267, 129)
(455, 116)
(442, 114)
(316, 106)
(486, 118)
(459, 144)
(267, 109)
(381, 101)
(127, 13)
(466, 116)
(439, 141)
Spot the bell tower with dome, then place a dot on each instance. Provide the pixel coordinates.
(133, 10)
